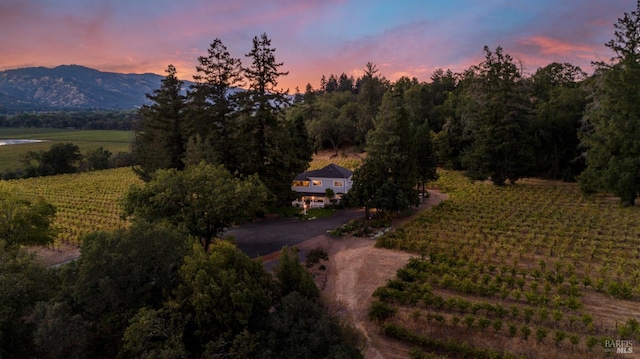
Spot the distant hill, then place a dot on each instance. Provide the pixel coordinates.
(73, 87)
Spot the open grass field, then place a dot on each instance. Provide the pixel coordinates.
(530, 270)
(87, 201)
(86, 140)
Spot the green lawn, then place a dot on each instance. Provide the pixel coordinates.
(11, 155)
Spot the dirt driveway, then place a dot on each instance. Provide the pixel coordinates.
(354, 271)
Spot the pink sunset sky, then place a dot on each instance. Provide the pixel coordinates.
(312, 37)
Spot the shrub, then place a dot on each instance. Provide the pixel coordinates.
(315, 256)
(381, 311)
(541, 334)
(469, 320)
(591, 342)
(497, 325)
(528, 313)
(455, 320)
(484, 322)
(559, 336)
(574, 339)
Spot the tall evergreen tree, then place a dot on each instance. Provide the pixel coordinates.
(390, 158)
(161, 136)
(442, 87)
(371, 87)
(612, 121)
(345, 83)
(264, 138)
(213, 105)
(309, 107)
(332, 84)
(496, 117)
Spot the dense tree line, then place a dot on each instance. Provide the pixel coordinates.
(88, 120)
(212, 157)
(63, 158)
(490, 120)
(495, 122)
(342, 111)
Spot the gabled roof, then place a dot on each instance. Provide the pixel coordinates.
(330, 171)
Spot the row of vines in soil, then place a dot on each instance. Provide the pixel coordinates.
(529, 269)
(346, 162)
(85, 202)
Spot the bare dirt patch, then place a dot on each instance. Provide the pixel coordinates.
(355, 269)
(57, 254)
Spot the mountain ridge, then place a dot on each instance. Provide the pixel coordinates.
(74, 87)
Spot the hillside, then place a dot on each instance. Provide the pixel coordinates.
(72, 87)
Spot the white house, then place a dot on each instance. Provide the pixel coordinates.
(313, 185)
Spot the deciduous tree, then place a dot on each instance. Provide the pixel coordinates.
(203, 199)
(559, 99)
(118, 273)
(293, 277)
(24, 220)
(98, 159)
(60, 158)
(222, 294)
(23, 283)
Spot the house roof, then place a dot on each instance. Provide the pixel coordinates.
(330, 171)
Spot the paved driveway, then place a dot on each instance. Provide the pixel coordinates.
(266, 236)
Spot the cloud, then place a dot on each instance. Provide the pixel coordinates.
(312, 37)
(549, 46)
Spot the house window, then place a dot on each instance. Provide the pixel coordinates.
(300, 183)
(316, 183)
(338, 184)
